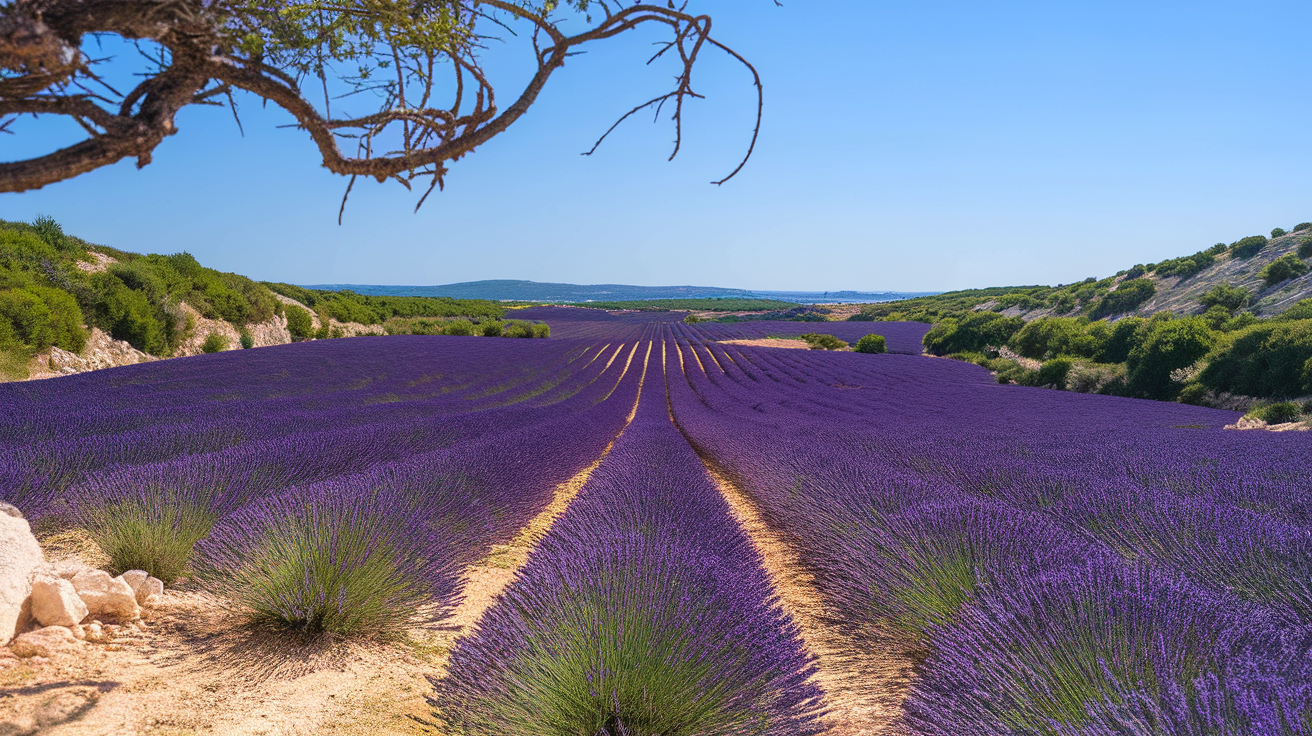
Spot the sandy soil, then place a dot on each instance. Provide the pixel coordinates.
(196, 666)
(864, 686)
(769, 342)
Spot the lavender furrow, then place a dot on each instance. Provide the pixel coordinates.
(644, 611)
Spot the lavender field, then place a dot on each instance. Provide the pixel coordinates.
(1002, 559)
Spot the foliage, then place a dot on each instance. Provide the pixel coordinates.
(41, 316)
(1266, 359)
(1249, 246)
(214, 343)
(871, 344)
(1054, 372)
(299, 322)
(458, 327)
(490, 329)
(975, 332)
(348, 306)
(1278, 412)
(246, 338)
(1232, 298)
(153, 531)
(1277, 232)
(1166, 345)
(1052, 336)
(817, 341)
(1286, 267)
(714, 304)
(1125, 298)
(1188, 265)
(1305, 248)
(691, 319)
(1303, 226)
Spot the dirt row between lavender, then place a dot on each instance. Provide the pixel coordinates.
(863, 685)
(193, 666)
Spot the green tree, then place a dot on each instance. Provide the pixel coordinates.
(1265, 359)
(299, 322)
(975, 332)
(1249, 246)
(214, 343)
(1168, 345)
(871, 344)
(1286, 267)
(1232, 298)
(1129, 295)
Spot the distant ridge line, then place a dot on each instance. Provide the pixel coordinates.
(517, 290)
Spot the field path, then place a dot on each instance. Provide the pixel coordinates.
(864, 686)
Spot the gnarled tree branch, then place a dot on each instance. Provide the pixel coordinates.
(208, 48)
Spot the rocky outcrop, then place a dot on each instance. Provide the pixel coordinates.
(272, 332)
(101, 351)
(44, 642)
(19, 556)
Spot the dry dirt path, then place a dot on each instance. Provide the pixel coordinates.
(194, 669)
(864, 686)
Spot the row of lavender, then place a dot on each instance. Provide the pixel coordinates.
(645, 611)
(1071, 564)
(340, 508)
(299, 401)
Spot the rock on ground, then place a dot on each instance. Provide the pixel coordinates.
(105, 596)
(44, 642)
(146, 588)
(55, 601)
(19, 555)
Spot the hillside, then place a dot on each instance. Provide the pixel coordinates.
(1176, 285)
(68, 306)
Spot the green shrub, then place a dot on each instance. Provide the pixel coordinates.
(1194, 394)
(1124, 335)
(462, 327)
(691, 319)
(1167, 345)
(1286, 267)
(974, 332)
(1053, 372)
(1249, 246)
(1051, 336)
(214, 343)
(1217, 317)
(1277, 413)
(1267, 359)
(127, 314)
(1305, 248)
(542, 329)
(1096, 378)
(1303, 226)
(1135, 272)
(299, 322)
(871, 344)
(41, 316)
(517, 328)
(817, 341)
(1224, 295)
(490, 329)
(246, 338)
(325, 328)
(1128, 295)
(1301, 309)
(1277, 232)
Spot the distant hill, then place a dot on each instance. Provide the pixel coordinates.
(537, 291)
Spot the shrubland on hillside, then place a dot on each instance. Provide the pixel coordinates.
(1229, 326)
(67, 306)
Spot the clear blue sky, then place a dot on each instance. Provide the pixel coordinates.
(906, 146)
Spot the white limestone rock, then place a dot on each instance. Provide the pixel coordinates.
(44, 642)
(147, 589)
(55, 601)
(19, 555)
(105, 596)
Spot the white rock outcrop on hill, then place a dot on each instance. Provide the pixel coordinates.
(101, 351)
(19, 555)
